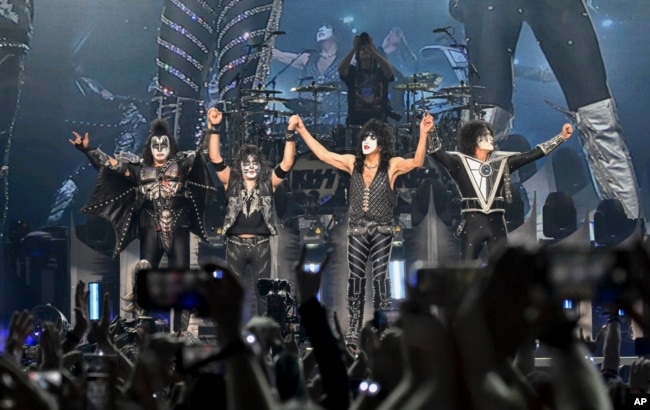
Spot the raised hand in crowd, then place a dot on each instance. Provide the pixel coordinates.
(81, 322)
(246, 385)
(20, 325)
(326, 348)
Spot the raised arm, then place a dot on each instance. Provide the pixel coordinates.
(296, 60)
(344, 65)
(386, 68)
(96, 156)
(214, 118)
(344, 162)
(288, 156)
(401, 165)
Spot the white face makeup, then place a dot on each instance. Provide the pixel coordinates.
(160, 148)
(250, 167)
(485, 141)
(324, 33)
(369, 143)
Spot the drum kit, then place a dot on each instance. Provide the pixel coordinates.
(422, 94)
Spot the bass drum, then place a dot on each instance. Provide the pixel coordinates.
(318, 188)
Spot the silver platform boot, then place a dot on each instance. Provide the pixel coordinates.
(608, 155)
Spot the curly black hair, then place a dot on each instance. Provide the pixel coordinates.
(469, 133)
(243, 153)
(159, 127)
(385, 141)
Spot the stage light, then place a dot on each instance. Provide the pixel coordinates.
(559, 215)
(94, 300)
(611, 224)
(396, 271)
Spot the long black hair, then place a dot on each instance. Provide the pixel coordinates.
(159, 127)
(469, 133)
(385, 141)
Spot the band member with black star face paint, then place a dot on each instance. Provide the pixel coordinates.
(150, 198)
(373, 169)
(483, 179)
(249, 222)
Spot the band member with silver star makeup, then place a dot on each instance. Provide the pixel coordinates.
(373, 169)
(158, 198)
(249, 223)
(483, 179)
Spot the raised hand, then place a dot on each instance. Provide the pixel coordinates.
(79, 142)
(308, 283)
(20, 325)
(427, 123)
(226, 300)
(81, 318)
(567, 130)
(214, 117)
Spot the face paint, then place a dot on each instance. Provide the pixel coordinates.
(485, 141)
(160, 148)
(369, 143)
(250, 167)
(324, 33)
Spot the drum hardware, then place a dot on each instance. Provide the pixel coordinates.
(414, 87)
(314, 88)
(474, 107)
(270, 113)
(460, 89)
(260, 91)
(446, 96)
(264, 100)
(301, 106)
(430, 78)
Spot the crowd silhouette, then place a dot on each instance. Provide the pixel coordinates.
(445, 348)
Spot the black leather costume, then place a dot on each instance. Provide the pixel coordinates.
(158, 205)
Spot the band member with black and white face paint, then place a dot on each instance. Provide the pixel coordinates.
(249, 222)
(160, 149)
(373, 169)
(483, 179)
(152, 192)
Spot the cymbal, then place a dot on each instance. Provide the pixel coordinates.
(264, 100)
(431, 78)
(314, 88)
(445, 96)
(260, 91)
(301, 106)
(472, 107)
(460, 88)
(414, 86)
(271, 113)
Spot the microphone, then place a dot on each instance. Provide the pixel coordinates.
(441, 29)
(277, 33)
(307, 50)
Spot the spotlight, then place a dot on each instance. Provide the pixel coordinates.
(559, 215)
(611, 224)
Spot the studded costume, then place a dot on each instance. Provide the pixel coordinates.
(370, 232)
(158, 205)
